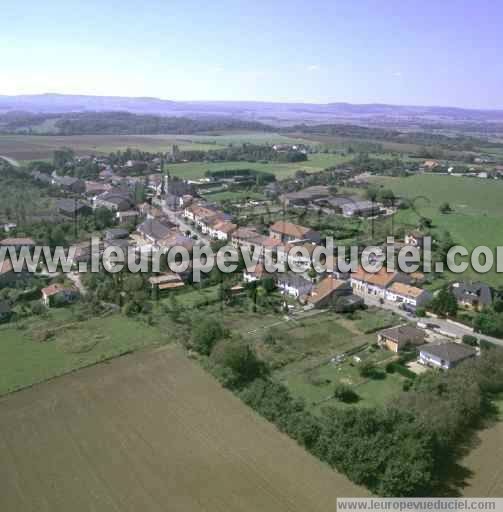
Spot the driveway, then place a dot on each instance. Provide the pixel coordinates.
(444, 327)
(11, 161)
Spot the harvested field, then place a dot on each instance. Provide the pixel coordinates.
(484, 462)
(151, 432)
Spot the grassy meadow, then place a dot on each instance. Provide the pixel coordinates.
(27, 358)
(477, 213)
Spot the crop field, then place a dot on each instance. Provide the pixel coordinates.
(40, 147)
(476, 216)
(316, 162)
(152, 432)
(484, 461)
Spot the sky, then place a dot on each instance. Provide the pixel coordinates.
(409, 52)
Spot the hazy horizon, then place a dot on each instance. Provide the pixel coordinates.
(157, 98)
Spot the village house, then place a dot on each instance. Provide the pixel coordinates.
(247, 239)
(414, 239)
(205, 223)
(115, 233)
(58, 294)
(398, 338)
(375, 284)
(294, 285)
(362, 208)
(305, 196)
(445, 355)
(472, 295)
(410, 297)
(128, 217)
(298, 256)
(331, 291)
(114, 200)
(72, 207)
(41, 177)
(221, 230)
(430, 165)
(18, 243)
(288, 232)
(196, 212)
(69, 183)
(94, 188)
(166, 281)
(256, 274)
(153, 231)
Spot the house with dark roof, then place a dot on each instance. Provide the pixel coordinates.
(115, 200)
(305, 196)
(72, 207)
(5, 312)
(69, 183)
(154, 231)
(472, 295)
(294, 285)
(361, 208)
(400, 337)
(445, 355)
(116, 233)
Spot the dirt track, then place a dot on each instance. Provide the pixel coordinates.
(151, 432)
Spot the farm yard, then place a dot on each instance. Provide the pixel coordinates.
(154, 432)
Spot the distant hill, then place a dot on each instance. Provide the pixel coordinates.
(265, 112)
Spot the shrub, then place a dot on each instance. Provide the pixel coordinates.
(345, 394)
(468, 339)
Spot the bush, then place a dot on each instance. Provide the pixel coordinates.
(390, 368)
(205, 333)
(345, 394)
(468, 339)
(420, 312)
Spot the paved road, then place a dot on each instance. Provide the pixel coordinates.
(454, 330)
(11, 161)
(183, 226)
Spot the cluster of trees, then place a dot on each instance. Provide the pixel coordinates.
(382, 166)
(244, 153)
(490, 320)
(114, 123)
(444, 303)
(430, 139)
(382, 195)
(398, 450)
(258, 177)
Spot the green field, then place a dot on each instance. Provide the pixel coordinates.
(25, 359)
(477, 216)
(316, 162)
